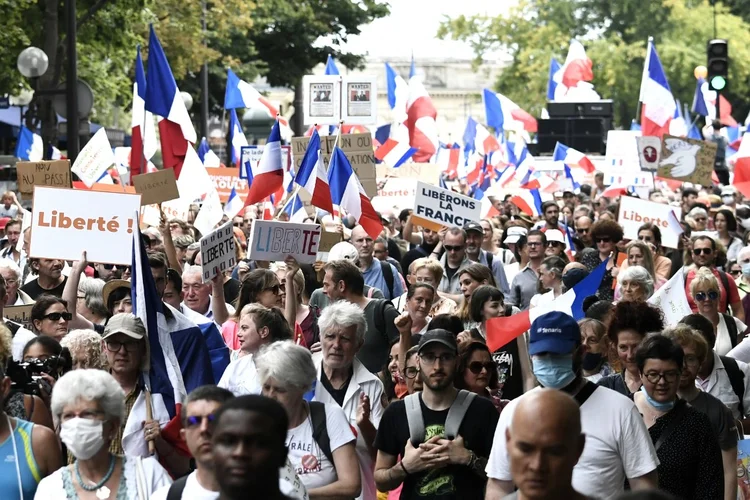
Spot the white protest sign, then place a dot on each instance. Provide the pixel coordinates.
(321, 95)
(68, 221)
(275, 240)
(397, 193)
(649, 152)
(635, 212)
(210, 213)
(94, 159)
(218, 252)
(622, 151)
(436, 207)
(671, 299)
(360, 100)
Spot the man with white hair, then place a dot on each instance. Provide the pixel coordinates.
(12, 275)
(344, 380)
(198, 297)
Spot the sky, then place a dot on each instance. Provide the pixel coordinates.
(415, 23)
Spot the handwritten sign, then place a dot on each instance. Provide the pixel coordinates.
(275, 240)
(68, 221)
(156, 187)
(94, 159)
(671, 299)
(250, 155)
(327, 240)
(635, 212)
(687, 160)
(54, 173)
(218, 251)
(425, 172)
(225, 179)
(19, 314)
(436, 207)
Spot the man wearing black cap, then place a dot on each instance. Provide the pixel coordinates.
(435, 462)
(474, 237)
(618, 445)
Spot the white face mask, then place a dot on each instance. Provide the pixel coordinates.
(83, 436)
(727, 200)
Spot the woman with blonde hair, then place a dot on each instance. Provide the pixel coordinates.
(85, 348)
(304, 317)
(469, 279)
(704, 289)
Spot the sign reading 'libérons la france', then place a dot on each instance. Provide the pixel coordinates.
(436, 207)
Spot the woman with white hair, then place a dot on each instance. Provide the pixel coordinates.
(704, 289)
(12, 274)
(327, 468)
(634, 284)
(697, 218)
(85, 347)
(88, 406)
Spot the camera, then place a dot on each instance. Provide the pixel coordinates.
(26, 376)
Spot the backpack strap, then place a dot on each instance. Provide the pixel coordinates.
(414, 418)
(725, 284)
(489, 260)
(457, 412)
(380, 308)
(320, 428)
(736, 379)
(387, 270)
(176, 489)
(677, 417)
(585, 393)
(731, 328)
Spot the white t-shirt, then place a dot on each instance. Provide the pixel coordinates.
(723, 342)
(241, 377)
(617, 445)
(309, 462)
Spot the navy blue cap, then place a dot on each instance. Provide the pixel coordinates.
(554, 332)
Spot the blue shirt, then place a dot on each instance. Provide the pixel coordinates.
(30, 475)
(374, 278)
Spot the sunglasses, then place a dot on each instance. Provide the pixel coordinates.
(553, 244)
(736, 272)
(273, 289)
(476, 367)
(56, 316)
(704, 251)
(583, 230)
(701, 296)
(603, 240)
(453, 248)
(108, 267)
(647, 239)
(194, 421)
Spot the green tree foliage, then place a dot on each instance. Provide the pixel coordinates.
(615, 33)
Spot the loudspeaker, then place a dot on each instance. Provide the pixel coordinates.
(587, 135)
(580, 109)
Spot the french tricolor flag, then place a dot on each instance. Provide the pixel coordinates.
(394, 153)
(240, 94)
(312, 175)
(163, 99)
(398, 93)
(484, 142)
(420, 120)
(268, 174)
(572, 157)
(295, 210)
(554, 67)
(233, 205)
(236, 137)
(528, 201)
(741, 179)
(143, 142)
(348, 194)
(704, 104)
(577, 66)
(501, 331)
(658, 104)
(504, 114)
(448, 157)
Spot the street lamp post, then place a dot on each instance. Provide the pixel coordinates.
(71, 79)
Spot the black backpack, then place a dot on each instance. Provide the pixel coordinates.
(736, 379)
(387, 271)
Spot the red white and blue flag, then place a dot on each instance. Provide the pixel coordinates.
(236, 137)
(528, 201)
(572, 157)
(143, 133)
(484, 142)
(268, 175)
(554, 67)
(420, 119)
(658, 104)
(233, 205)
(504, 114)
(240, 94)
(394, 153)
(163, 99)
(577, 66)
(348, 194)
(312, 175)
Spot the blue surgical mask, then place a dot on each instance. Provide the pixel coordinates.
(554, 371)
(657, 404)
(746, 269)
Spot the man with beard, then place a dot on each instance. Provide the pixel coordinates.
(50, 279)
(430, 239)
(435, 464)
(474, 237)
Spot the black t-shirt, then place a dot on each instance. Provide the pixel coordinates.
(453, 481)
(231, 290)
(33, 289)
(338, 395)
(510, 379)
(381, 333)
(720, 417)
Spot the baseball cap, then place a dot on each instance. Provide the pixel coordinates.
(4, 222)
(343, 251)
(727, 191)
(554, 332)
(514, 233)
(112, 285)
(554, 235)
(127, 323)
(438, 336)
(473, 226)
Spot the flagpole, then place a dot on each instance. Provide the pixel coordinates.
(645, 71)
(284, 201)
(333, 151)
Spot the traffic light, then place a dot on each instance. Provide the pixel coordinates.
(718, 64)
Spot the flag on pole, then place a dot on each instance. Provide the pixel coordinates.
(240, 94)
(704, 104)
(313, 177)
(233, 205)
(236, 137)
(163, 99)
(268, 174)
(484, 142)
(203, 148)
(295, 209)
(572, 157)
(554, 67)
(420, 120)
(658, 104)
(143, 133)
(504, 114)
(398, 92)
(348, 194)
(528, 201)
(331, 68)
(29, 146)
(577, 66)
(394, 153)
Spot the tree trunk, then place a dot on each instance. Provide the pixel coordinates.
(298, 118)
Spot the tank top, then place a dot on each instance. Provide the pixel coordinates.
(30, 475)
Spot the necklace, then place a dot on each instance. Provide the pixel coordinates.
(102, 492)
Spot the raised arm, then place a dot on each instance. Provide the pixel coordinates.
(70, 295)
(169, 249)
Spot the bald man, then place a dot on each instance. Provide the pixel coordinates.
(583, 230)
(374, 270)
(544, 443)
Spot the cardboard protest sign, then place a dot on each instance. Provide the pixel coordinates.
(250, 155)
(54, 173)
(671, 299)
(360, 100)
(224, 179)
(358, 150)
(94, 159)
(649, 152)
(68, 221)
(327, 240)
(156, 187)
(687, 160)
(321, 95)
(105, 188)
(436, 207)
(275, 240)
(635, 212)
(425, 172)
(19, 314)
(218, 252)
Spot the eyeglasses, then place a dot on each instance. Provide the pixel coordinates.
(108, 267)
(669, 377)
(700, 219)
(704, 251)
(273, 289)
(194, 421)
(57, 316)
(430, 358)
(453, 248)
(701, 296)
(411, 371)
(476, 367)
(553, 244)
(114, 346)
(603, 240)
(534, 243)
(583, 230)
(735, 272)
